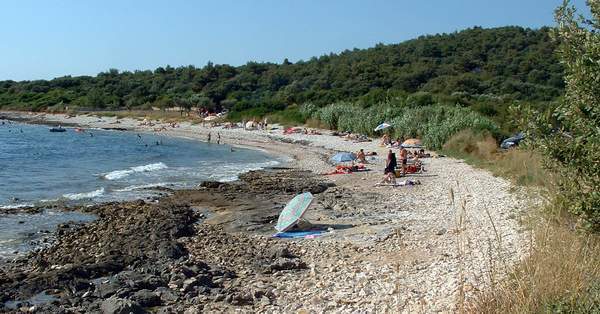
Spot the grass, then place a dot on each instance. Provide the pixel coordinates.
(561, 272)
(523, 166)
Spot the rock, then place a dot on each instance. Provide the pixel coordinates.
(280, 252)
(189, 284)
(195, 309)
(107, 289)
(168, 310)
(211, 184)
(170, 250)
(319, 188)
(264, 301)
(187, 272)
(204, 281)
(240, 298)
(285, 264)
(441, 231)
(167, 295)
(146, 298)
(120, 306)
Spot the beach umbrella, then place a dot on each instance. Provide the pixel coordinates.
(382, 126)
(412, 142)
(293, 211)
(342, 157)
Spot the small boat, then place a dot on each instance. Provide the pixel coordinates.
(79, 130)
(59, 129)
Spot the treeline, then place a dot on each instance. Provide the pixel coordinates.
(487, 69)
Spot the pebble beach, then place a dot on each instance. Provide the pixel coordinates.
(425, 248)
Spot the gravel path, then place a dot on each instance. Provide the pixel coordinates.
(425, 248)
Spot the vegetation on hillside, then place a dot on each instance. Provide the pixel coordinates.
(486, 69)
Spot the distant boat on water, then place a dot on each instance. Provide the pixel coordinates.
(58, 129)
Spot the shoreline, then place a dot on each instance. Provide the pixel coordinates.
(390, 248)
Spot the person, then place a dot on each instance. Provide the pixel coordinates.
(208, 137)
(360, 156)
(385, 140)
(390, 169)
(218, 138)
(403, 159)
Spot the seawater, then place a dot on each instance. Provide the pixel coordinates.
(39, 167)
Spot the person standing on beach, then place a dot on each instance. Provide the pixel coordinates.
(208, 137)
(403, 158)
(390, 169)
(218, 138)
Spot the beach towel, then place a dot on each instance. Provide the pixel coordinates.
(401, 183)
(299, 234)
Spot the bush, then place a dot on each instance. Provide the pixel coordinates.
(467, 143)
(434, 124)
(570, 137)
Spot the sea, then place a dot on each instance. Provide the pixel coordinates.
(39, 167)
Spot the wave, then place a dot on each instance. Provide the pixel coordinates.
(119, 174)
(80, 196)
(15, 206)
(141, 187)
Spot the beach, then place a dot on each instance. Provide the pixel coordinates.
(425, 248)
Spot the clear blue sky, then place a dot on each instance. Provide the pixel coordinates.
(45, 39)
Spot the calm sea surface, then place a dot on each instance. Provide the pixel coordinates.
(38, 166)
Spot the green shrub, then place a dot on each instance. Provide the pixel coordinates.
(434, 124)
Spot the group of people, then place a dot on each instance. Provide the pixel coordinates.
(387, 141)
(392, 163)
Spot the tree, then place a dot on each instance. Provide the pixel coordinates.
(573, 145)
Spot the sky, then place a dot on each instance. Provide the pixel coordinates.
(46, 39)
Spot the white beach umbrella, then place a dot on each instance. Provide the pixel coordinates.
(382, 126)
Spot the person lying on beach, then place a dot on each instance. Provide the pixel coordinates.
(423, 155)
(343, 169)
(401, 183)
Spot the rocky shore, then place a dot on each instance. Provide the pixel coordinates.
(426, 248)
(165, 256)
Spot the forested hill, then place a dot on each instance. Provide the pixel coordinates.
(507, 64)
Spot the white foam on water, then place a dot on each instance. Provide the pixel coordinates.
(16, 206)
(141, 187)
(119, 174)
(80, 196)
